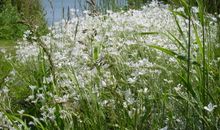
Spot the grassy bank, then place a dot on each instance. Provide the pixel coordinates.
(6, 43)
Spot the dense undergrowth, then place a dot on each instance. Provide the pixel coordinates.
(9, 28)
(17, 16)
(153, 68)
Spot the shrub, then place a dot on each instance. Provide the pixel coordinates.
(9, 26)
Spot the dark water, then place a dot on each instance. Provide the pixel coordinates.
(57, 10)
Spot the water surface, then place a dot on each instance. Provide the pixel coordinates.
(57, 10)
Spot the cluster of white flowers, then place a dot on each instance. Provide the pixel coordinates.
(5, 123)
(85, 51)
(48, 113)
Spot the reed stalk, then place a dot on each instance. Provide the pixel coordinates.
(189, 58)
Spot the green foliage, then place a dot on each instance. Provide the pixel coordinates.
(136, 3)
(4, 69)
(32, 14)
(18, 16)
(10, 28)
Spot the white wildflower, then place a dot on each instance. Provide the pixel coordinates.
(168, 81)
(103, 83)
(164, 128)
(129, 97)
(210, 107)
(27, 33)
(178, 87)
(132, 80)
(3, 50)
(63, 99)
(195, 9)
(180, 9)
(13, 72)
(21, 111)
(130, 42)
(40, 96)
(32, 87)
(1, 115)
(31, 123)
(145, 90)
(30, 97)
(51, 110)
(5, 90)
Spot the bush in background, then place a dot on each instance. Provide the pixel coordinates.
(16, 16)
(10, 29)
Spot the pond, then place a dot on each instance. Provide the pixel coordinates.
(56, 10)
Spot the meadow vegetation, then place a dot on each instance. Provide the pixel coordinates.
(152, 68)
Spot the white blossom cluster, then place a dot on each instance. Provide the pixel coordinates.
(5, 122)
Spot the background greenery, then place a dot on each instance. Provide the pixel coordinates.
(16, 16)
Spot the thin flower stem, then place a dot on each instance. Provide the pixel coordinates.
(204, 69)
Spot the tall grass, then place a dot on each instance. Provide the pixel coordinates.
(205, 48)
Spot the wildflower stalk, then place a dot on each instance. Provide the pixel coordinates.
(188, 55)
(189, 45)
(34, 30)
(204, 69)
(52, 66)
(53, 12)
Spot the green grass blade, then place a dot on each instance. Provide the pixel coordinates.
(12, 117)
(179, 28)
(149, 33)
(173, 54)
(188, 86)
(35, 120)
(176, 40)
(198, 41)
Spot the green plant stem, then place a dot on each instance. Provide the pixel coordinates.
(204, 69)
(188, 61)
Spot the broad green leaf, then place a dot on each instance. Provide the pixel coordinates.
(198, 41)
(201, 11)
(167, 51)
(179, 14)
(180, 29)
(188, 86)
(95, 53)
(173, 54)
(186, 6)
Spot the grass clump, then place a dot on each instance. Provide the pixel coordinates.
(140, 69)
